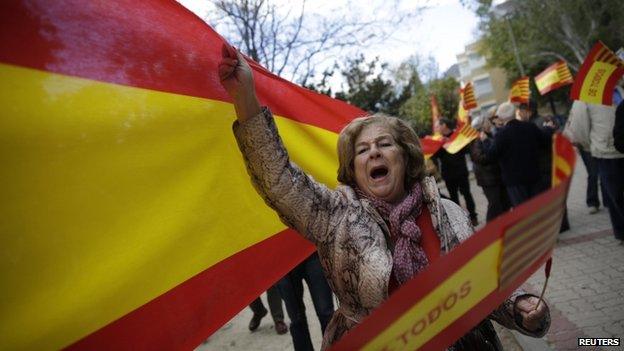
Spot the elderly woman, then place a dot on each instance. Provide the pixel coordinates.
(382, 226)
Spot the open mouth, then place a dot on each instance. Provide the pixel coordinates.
(379, 172)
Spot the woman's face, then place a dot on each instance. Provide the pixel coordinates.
(379, 164)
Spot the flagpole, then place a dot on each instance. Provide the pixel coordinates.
(513, 43)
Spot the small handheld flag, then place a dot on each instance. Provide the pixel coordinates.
(597, 77)
(520, 92)
(553, 77)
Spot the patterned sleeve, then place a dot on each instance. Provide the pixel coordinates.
(506, 315)
(301, 202)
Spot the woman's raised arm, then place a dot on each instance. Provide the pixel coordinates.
(301, 202)
(237, 79)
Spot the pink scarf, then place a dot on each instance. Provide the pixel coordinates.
(408, 257)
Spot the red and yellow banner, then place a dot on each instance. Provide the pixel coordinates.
(595, 81)
(520, 92)
(562, 168)
(462, 288)
(130, 220)
(553, 77)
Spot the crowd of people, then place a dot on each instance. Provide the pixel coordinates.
(512, 162)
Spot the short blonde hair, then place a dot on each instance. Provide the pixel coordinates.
(403, 135)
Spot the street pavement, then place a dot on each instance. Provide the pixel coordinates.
(585, 292)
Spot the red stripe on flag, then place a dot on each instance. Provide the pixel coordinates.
(186, 315)
(104, 41)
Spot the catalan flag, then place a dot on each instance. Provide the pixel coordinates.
(595, 81)
(129, 221)
(468, 97)
(435, 116)
(553, 77)
(520, 92)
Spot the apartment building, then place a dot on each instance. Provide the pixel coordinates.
(489, 83)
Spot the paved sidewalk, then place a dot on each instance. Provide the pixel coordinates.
(585, 292)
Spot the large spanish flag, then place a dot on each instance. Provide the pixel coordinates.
(129, 221)
(553, 77)
(595, 81)
(520, 92)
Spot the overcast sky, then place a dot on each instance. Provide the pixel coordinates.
(442, 30)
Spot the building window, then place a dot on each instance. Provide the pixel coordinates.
(476, 61)
(464, 70)
(482, 86)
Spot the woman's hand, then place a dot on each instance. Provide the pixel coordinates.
(531, 317)
(237, 79)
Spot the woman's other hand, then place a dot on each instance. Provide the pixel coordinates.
(531, 317)
(237, 79)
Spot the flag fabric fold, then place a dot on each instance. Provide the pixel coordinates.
(554, 77)
(595, 81)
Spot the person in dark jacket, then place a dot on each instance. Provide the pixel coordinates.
(618, 128)
(548, 125)
(454, 171)
(518, 148)
(487, 172)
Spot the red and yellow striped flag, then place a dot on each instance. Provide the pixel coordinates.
(595, 81)
(461, 137)
(553, 77)
(133, 224)
(520, 92)
(468, 97)
(435, 116)
(562, 167)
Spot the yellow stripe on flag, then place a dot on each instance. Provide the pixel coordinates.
(449, 301)
(105, 185)
(594, 85)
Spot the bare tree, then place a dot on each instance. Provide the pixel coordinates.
(292, 40)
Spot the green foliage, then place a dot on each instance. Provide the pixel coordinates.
(366, 87)
(417, 109)
(373, 87)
